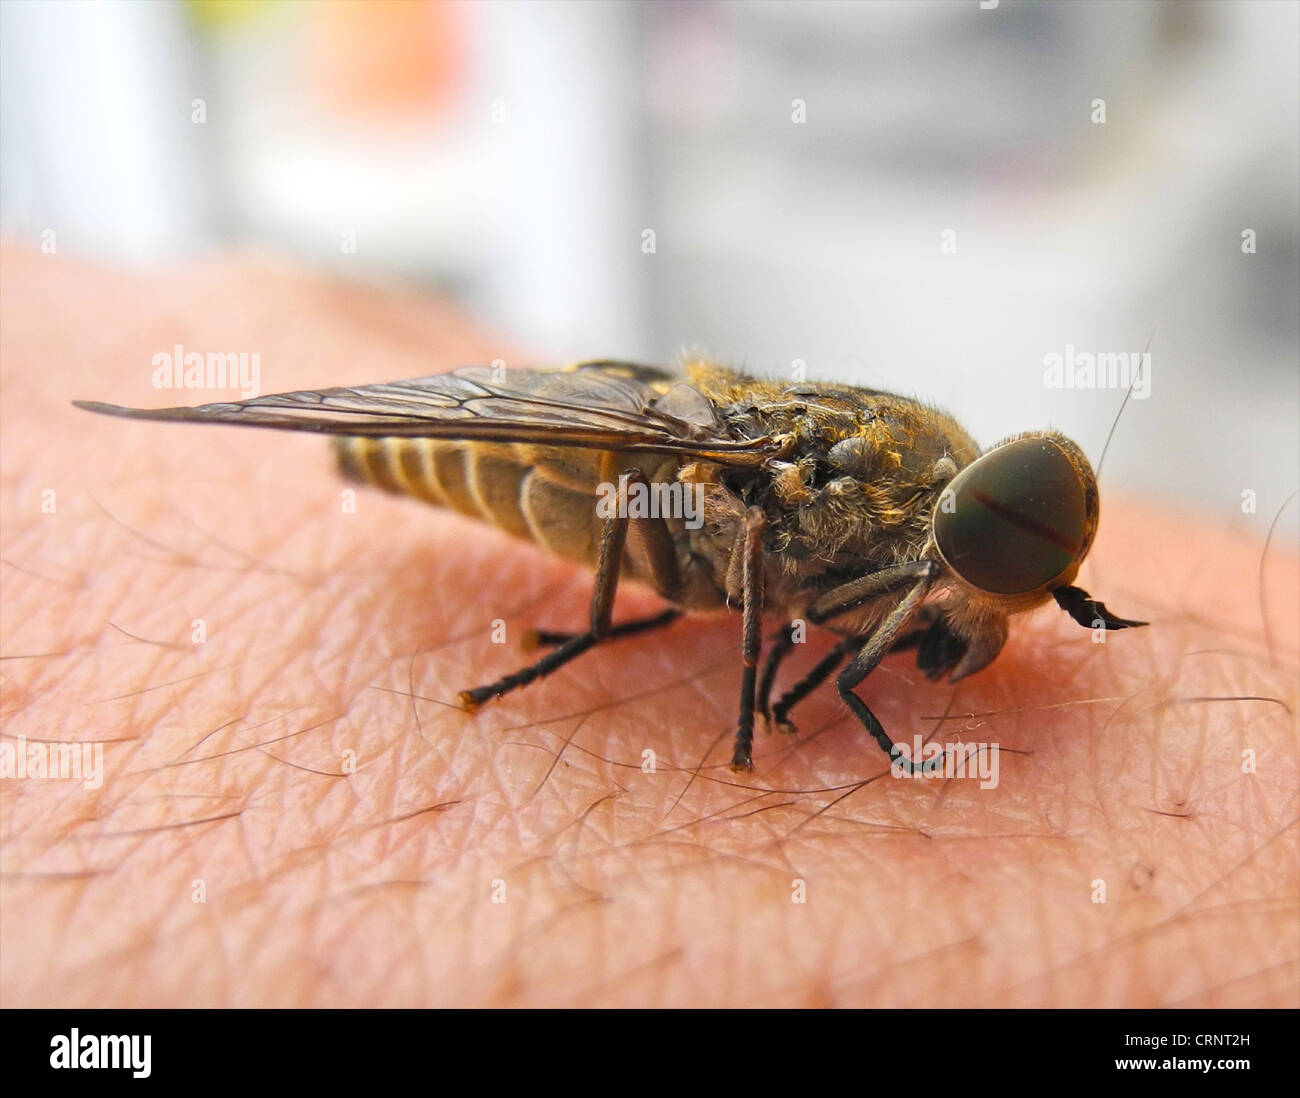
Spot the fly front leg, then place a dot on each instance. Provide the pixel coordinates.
(833, 604)
(805, 686)
(613, 541)
(938, 650)
(874, 650)
(751, 585)
(782, 645)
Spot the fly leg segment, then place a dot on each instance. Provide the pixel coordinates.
(938, 651)
(751, 581)
(782, 644)
(805, 686)
(542, 638)
(840, 601)
(613, 541)
(916, 578)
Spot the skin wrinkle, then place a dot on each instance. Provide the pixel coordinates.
(326, 631)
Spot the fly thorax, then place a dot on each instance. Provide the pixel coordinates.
(839, 517)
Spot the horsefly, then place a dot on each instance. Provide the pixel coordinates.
(866, 513)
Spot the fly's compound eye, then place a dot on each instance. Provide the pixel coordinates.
(1015, 519)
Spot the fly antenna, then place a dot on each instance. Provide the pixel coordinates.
(1124, 403)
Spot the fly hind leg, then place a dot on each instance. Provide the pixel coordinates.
(544, 638)
(662, 559)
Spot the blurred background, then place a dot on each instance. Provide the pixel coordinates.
(925, 197)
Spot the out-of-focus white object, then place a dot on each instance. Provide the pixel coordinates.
(96, 140)
(918, 196)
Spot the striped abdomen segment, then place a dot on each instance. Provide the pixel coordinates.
(547, 495)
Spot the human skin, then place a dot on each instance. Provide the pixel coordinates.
(293, 812)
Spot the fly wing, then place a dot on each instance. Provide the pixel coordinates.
(599, 405)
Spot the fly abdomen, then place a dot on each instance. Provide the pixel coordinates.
(399, 465)
(491, 483)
